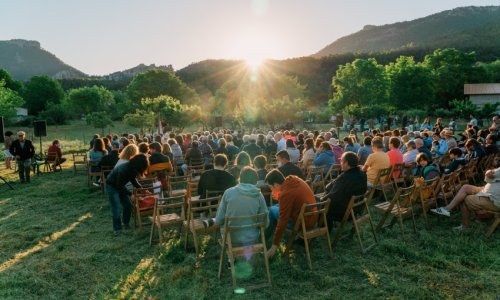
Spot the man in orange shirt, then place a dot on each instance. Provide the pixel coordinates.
(293, 193)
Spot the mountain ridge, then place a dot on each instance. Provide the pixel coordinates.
(450, 28)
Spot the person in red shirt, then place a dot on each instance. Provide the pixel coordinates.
(395, 156)
(293, 193)
(56, 147)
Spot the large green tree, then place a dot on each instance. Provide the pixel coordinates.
(410, 84)
(9, 100)
(40, 91)
(86, 100)
(361, 83)
(451, 68)
(10, 83)
(154, 83)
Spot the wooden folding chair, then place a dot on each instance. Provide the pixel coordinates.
(196, 167)
(79, 159)
(397, 176)
(90, 173)
(161, 171)
(139, 196)
(199, 210)
(50, 164)
(315, 178)
(105, 170)
(234, 225)
(399, 207)
(445, 189)
(382, 183)
(472, 171)
(178, 185)
(166, 212)
(408, 173)
(358, 213)
(426, 196)
(319, 209)
(209, 194)
(333, 172)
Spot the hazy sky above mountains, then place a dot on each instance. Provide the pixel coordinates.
(104, 36)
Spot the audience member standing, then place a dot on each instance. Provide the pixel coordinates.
(22, 149)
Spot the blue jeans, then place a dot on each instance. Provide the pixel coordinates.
(116, 198)
(274, 215)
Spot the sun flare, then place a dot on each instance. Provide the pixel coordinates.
(254, 62)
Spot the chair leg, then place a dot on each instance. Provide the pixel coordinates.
(400, 219)
(373, 230)
(186, 236)
(424, 212)
(413, 220)
(329, 243)
(195, 240)
(358, 235)
(266, 261)
(382, 221)
(221, 261)
(160, 234)
(308, 254)
(151, 233)
(493, 226)
(233, 271)
(338, 233)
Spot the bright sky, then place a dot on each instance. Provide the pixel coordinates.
(103, 36)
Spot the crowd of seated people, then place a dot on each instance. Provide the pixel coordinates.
(227, 154)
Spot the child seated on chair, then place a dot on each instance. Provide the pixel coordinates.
(456, 160)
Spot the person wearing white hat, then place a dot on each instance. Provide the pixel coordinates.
(23, 150)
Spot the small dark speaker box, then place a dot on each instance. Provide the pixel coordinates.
(2, 131)
(40, 128)
(218, 121)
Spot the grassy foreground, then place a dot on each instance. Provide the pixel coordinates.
(57, 243)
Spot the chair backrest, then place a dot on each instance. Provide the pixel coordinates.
(319, 209)
(80, 156)
(396, 171)
(105, 170)
(245, 222)
(173, 204)
(196, 162)
(356, 204)
(51, 157)
(150, 191)
(383, 176)
(208, 206)
(312, 171)
(333, 172)
(427, 189)
(209, 194)
(405, 195)
(147, 182)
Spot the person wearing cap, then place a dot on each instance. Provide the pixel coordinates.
(23, 150)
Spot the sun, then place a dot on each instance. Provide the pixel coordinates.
(254, 62)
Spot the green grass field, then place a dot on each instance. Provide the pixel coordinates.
(56, 242)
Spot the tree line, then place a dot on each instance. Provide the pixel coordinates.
(278, 93)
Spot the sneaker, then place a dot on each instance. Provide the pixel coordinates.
(96, 184)
(126, 226)
(460, 228)
(441, 211)
(208, 223)
(118, 233)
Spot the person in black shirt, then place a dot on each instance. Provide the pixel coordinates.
(216, 179)
(286, 167)
(109, 159)
(252, 149)
(351, 182)
(119, 194)
(157, 156)
(23, 150)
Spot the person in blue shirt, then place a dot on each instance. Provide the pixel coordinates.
(456, 160)
(324, 156)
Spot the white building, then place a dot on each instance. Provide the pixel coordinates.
(482, 93)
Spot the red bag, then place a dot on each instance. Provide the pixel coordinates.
(147, 202)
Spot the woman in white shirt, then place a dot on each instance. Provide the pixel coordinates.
(308, 155)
